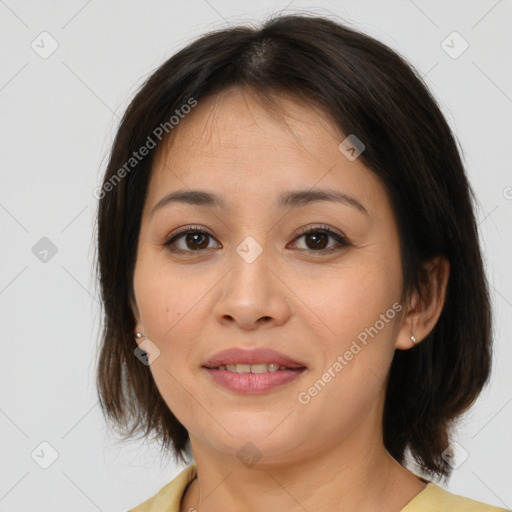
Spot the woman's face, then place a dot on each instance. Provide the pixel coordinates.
(253, 279)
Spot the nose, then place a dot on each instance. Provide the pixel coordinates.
(252, 295)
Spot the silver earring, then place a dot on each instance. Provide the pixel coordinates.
(139, 335)
(413, 339)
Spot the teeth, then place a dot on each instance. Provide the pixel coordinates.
(252, 368)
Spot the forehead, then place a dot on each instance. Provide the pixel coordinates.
(236, 109)
(236, 142)
(241, 122)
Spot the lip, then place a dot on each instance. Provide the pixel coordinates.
(253, 383)
(255, 356)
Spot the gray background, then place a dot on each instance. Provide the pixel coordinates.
(59, 115)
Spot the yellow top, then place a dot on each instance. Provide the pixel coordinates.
(432, 499)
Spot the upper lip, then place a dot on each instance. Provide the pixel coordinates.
(255, 356)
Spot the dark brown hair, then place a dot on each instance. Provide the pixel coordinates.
(369, 91)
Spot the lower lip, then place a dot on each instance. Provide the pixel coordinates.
(253, 383)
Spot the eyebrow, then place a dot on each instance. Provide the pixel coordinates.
(290, 199)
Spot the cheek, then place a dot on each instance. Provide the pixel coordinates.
(173, 308)
(361, 309)
(353, 298)
(166, 308)
(163, 299)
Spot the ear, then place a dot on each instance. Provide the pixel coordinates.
(426, 304)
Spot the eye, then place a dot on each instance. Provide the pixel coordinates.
(192, 239)
(316, 239)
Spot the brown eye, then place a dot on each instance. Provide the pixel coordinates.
(316, 240)
(190, 240)
(195, 241)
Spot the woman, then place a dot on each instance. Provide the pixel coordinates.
(291, 276)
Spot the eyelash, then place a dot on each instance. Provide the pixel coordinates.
(340, 239)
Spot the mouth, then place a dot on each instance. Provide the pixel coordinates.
(258, 360)
(254, 368)
(252, 372)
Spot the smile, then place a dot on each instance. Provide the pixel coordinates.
(252, 368)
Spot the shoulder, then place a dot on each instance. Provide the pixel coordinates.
(436, 499)
(168, 498)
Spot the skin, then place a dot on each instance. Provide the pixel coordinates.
(327, 454)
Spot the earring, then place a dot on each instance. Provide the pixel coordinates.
(138, 335)
(413, 339)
